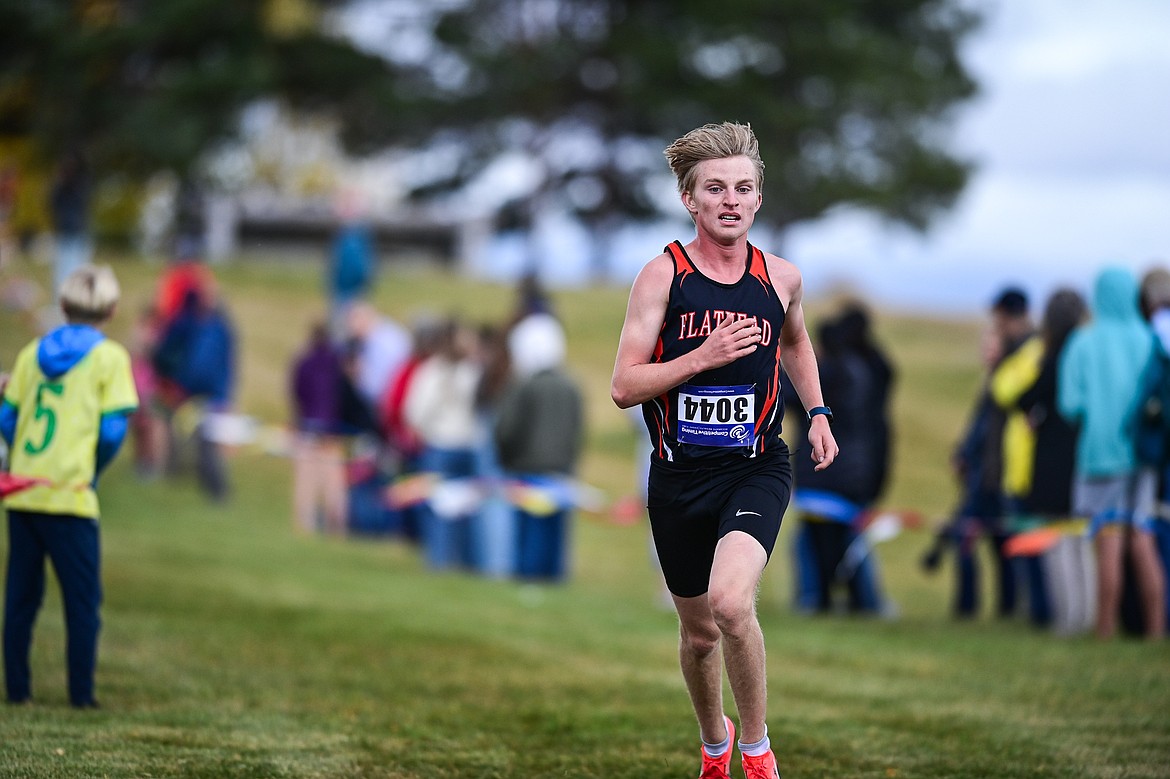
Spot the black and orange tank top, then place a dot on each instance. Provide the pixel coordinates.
(733, 410)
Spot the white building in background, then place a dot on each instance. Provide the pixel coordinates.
(253, 225)
(285, 187)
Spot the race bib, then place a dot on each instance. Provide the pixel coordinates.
(717, 416)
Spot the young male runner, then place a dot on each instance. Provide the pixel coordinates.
(708, 328)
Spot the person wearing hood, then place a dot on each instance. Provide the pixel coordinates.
(539, 433)
(1099, 377)
(64, 415)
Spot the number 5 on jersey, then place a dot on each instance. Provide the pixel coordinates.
(46, 413)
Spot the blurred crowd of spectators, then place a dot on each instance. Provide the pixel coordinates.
(1063, 464)
(462, 438)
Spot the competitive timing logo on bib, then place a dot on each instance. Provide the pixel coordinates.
(717, 416)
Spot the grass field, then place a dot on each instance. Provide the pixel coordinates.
(233, 648)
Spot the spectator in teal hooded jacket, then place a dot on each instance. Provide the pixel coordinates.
(1099, 376)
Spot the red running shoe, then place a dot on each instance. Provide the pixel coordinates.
(719, 767)
(762, 767)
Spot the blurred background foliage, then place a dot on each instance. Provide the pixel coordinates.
(851, 100)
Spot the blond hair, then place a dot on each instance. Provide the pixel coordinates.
(712, 142)
(89, 294)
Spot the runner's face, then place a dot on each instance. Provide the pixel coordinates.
(725, 198)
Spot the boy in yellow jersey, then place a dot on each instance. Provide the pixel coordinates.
(64, 415)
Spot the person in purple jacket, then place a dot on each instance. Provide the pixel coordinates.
(319, 487)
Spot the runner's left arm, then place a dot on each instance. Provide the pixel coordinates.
(800, 363)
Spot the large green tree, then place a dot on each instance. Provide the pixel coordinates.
(850, 99)
(142, 85)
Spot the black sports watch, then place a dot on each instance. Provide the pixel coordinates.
(828, 412)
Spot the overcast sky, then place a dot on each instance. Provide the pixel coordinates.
(1072, 137)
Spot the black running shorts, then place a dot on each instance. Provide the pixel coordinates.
(692, 507)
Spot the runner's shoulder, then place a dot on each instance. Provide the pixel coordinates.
(783, 272)
(657, 273)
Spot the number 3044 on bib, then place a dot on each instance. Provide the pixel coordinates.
(717, 416)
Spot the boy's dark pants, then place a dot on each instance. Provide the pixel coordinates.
(72, 544)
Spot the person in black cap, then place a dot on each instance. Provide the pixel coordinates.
(978, 465)
(1010, 319)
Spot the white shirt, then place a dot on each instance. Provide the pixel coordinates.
(440, 404)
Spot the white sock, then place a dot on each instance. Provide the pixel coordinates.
(720, 749)
(758, 748)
